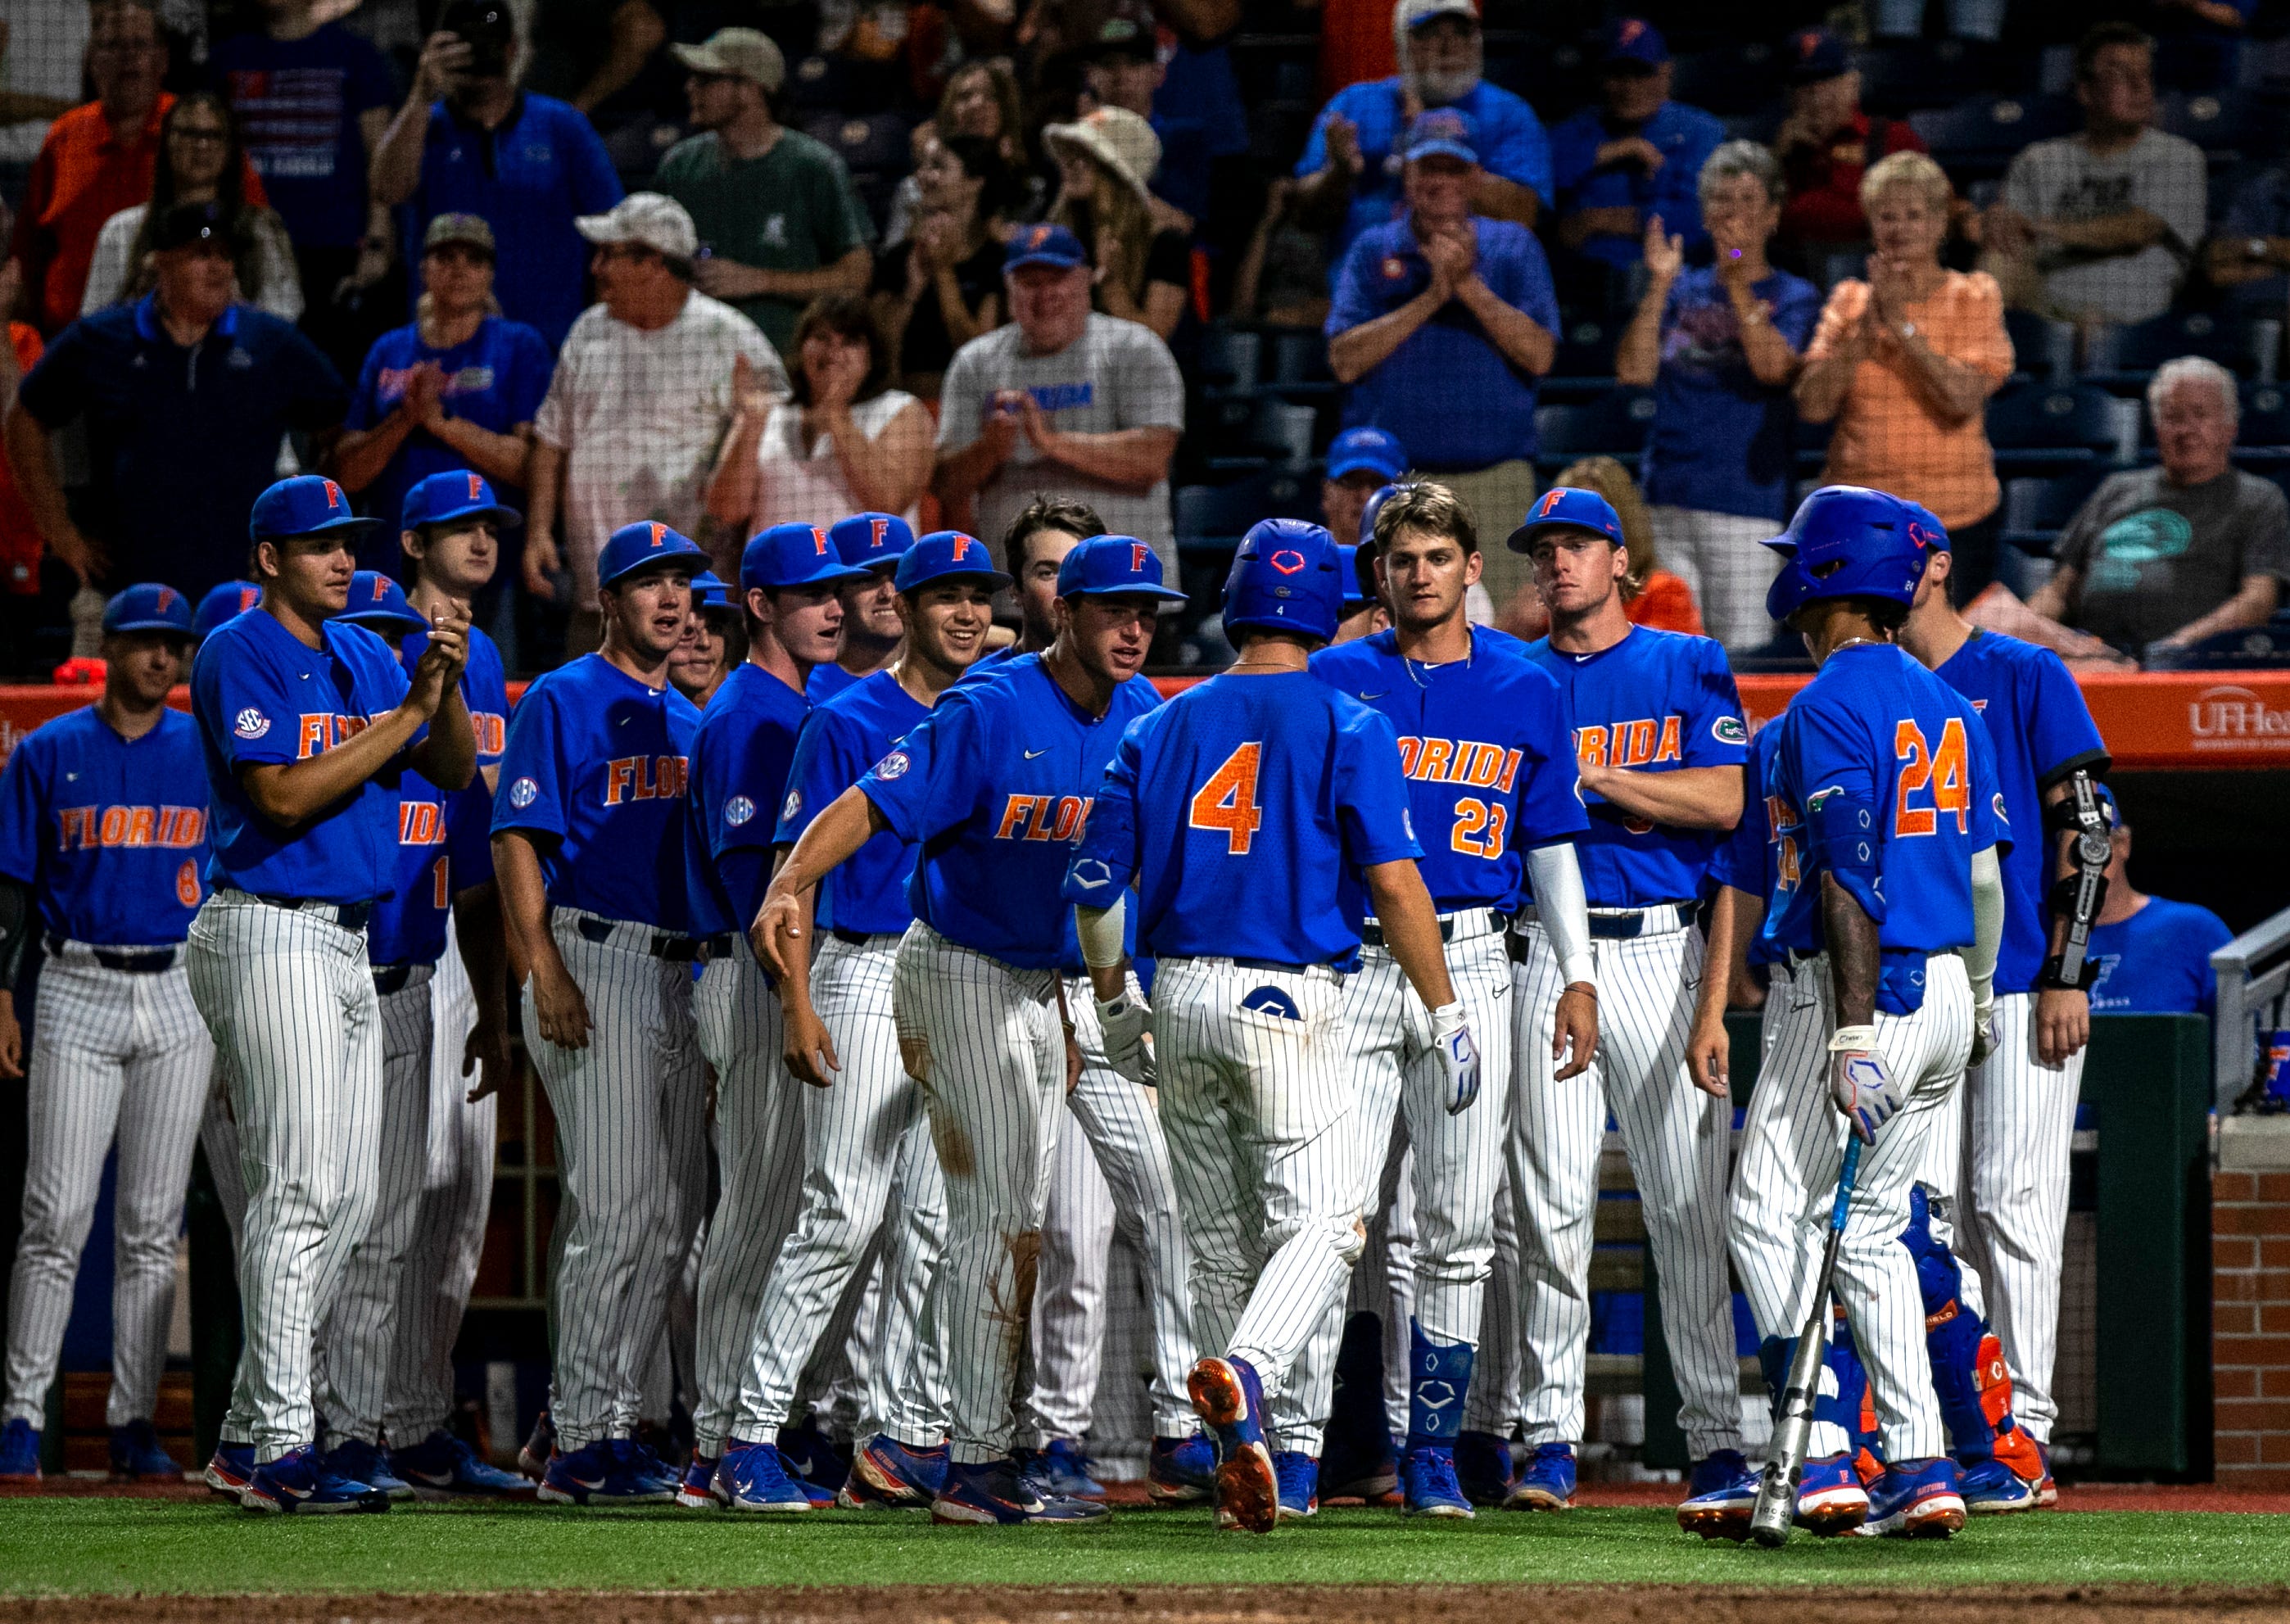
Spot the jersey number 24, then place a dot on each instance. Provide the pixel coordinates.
(1945, 771)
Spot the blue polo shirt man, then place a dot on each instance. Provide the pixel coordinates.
(1635, 154)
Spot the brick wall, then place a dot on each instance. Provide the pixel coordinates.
(2250, 1325)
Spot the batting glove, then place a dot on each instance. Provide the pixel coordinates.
(1128, 1045)
(1458, 1056)
(1859, 1082)
(1983, 1030)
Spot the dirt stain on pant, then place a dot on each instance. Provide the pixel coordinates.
(956, 1157)
(1015, 1312)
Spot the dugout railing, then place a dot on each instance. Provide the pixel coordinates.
(2253, 985)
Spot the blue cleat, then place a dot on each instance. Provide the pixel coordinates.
(301, 1481)
(811, 1455)
(1990, 1488)
(1428, 1475)
(137, 1456)
(1547, 1483)
(1060, 1469)
(996, 1492)
(20, 1452)
(1299, 1476)
(1182, 1471)
(1917, 1499)
(1720, 1495)
(755, 1477)
(889, 1473)
(1227, 1395)
(363, 1462)
(442, 1467)
(230, 1468)
(697, 1492)
(605, 1473)
(1486, 1468)
(1829, 1498)
(645, 1460)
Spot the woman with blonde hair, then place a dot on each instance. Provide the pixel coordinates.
(1904, 362)
(1651, 595)
(1139, 243)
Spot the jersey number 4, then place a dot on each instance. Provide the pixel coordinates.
(1227, 801)
(1944, 771)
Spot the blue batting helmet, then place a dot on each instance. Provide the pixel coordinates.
(1383, 493)
(1849, 542)
(1287, 577)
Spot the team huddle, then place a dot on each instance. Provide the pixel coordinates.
(1350, 950)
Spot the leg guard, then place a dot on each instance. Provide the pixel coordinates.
(1438, 1378)
(1969, 1374)
(1843, 1422)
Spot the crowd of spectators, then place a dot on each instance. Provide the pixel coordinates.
(723, 264)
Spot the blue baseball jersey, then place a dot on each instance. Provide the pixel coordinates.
(1487, 752)
(1241, 809)
(1655, 702)
(740, 763)
(2158, 962)
(825, 682)
(995, 790)
(1746, 858)
(262, 698)
(844, 738)
(110, 834)
(2040, 731)
(485, 690)
(445, 845)
(991, 662)
(1877, 729)
(597, 766)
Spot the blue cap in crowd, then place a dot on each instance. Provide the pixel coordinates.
(1110, 567)
(378, 603)
(1442, 132)
(1367, 450)
(1814, 54)
(1633, 41)
(457, 494)
(1356, 594)
(306, 505)
(805, 555)
(872, 540)
(948, 555)
(710, 590)
(148, 607)
(227, 601)
(1565, 506)
(1043, 244)
(642, 544)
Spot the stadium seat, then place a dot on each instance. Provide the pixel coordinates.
(2041, 348)
(1899, 76)
(2051, 426)
(1210, 516)
(1231, 359)
(1615, 425)
(2037, 509)
(1299, 361)
(2224, 124)
(1981, 134)
(1585, 360)
(2265, 418)
(1731, 81)
(2123, 357)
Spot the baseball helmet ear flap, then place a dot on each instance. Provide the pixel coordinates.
(1287, 576)
(1849, 541)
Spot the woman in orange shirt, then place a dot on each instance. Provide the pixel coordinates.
(1904, 363)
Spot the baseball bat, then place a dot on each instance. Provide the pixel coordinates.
(1776, 1508)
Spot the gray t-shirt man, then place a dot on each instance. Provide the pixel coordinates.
(1116, 375)
(2062, 181)
(2154, 555)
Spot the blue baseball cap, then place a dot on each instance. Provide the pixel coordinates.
(642, 544)
(871, 540)
(947, 554)
(1045, 244)
(1814, 54)
(227, 601)
(1633, 41)
(1571, 507)
(456, 494)
(149, 607)
(802, 555)
(1114, 566)
(306, 505)
(1441, 132)
(709, 590)
(376, 602)
(1367, 450)
(1356, 594)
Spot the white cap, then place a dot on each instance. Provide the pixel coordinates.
(1414, 13)
(659, 223)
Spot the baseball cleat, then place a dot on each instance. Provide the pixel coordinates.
(1547, 1481)
(1227, 1395)
(1990, 1488)
(137, 1456)
(2048, 1491)
(607, 1472)
(997, 1492)
(1299, 1476)
(361, 1462)
(889, 1473)
(1428, 1475)
(442, 1467)
(1829, 1498)
(229, 1469)
(1484, 1467)
(755, 1477)
(647, 1464)
(300, 1481)
(1917, 1499)
(19, 1452)
(533, 1458)
(1182, 1471)
(1720, 1497)
(697, 1492)
(810, 1454)
(1369, 1473)
(1061, 1469)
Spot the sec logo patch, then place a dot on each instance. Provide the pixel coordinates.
(524, 793)
(738, 810)
(792, 807)
(893, 766)
(251, 723)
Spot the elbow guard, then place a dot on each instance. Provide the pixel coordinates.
(1843, 829)
(2079, 893)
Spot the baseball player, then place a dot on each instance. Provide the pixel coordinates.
(1363, 613)
(305, 727)
(103, 838)
(1489, 760)
(2019, 1105)
(872, 631)
(703, 658)
(994, 789)
(864, 1134)
(223, 603)
(791, 577)
(1883, 814)
(588, 849)
(1659, 739)
(1248, 812)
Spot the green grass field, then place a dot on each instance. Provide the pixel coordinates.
(93, 1546)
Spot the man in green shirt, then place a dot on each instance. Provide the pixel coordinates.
(780, 223)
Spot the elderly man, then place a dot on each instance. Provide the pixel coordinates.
(1353, 152)
(1060, 402)
(641, 400)
(1827, 143)
(1361, 461)
(1442, 322)
(2166, 556)
(1635, 156)
(2100, 227)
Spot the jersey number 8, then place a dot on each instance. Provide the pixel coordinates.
(1227, 801)
(1944, 769)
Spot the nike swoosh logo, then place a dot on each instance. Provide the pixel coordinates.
(582, 1483)
(1031, 754)
(1374, 696)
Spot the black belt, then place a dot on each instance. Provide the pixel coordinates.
(716, 946)
(388, 979)
(676, 950)
(349, 916)
(1372, 933)
(149, 961)
(857, 939)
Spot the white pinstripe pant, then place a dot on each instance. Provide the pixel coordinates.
(1678, 1140)
(1456, 1167)
(864, 1143)
(113, 1052)
(288, 998)
(621, 1104)
(1263, 1142)
(1111, 1169)
(358, 1337)
(1785, 1185)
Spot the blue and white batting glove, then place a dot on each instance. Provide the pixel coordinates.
(1859, 1082)
(1128, 1044)
(1458, 1056)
